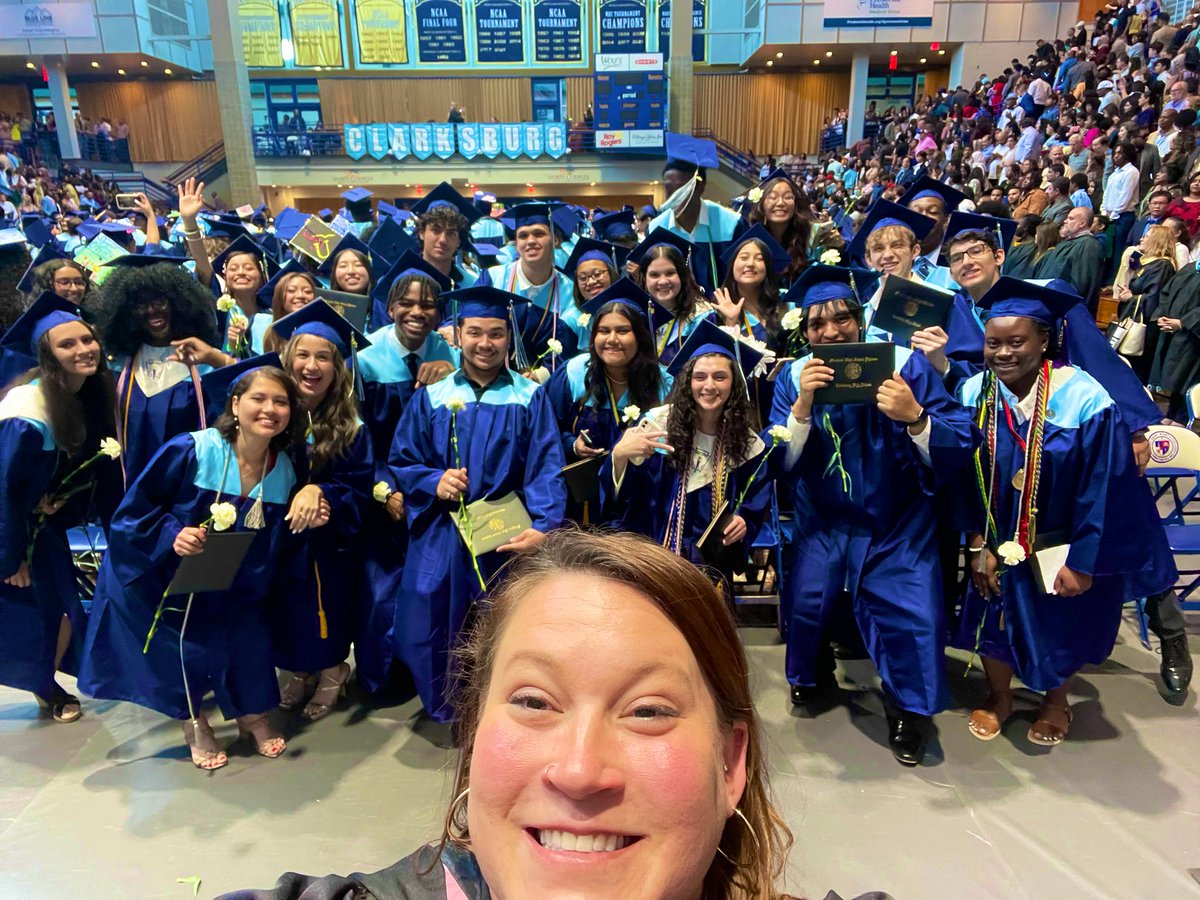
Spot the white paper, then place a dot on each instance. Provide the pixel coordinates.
(1048, 562)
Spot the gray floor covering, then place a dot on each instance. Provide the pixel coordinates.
(109, 807)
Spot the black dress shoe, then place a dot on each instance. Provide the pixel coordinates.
(1176, 665)
(804, 694)
(906, 737)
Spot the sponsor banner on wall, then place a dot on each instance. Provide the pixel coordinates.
(382, 29)
(47, 20)
(441, 32)
(441, 140)
(876, 13)
(558, 32)
(499, 35)
(623, 26)
(262, 36)
(630, 139)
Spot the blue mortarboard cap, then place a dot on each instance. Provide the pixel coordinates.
(627, 292)
(348, 241)
(708, 338)
(143, 260)
(524, 214)
(445, 195)
(648, 210)
(357, 195)
(218, 384)
(588, 249)
(1002, 229)
(929, 187)
(266, 293)
(883, 213)
(777, 174)
(613, 225)
(777, 257)
(358, 203)
(322, 320)
(485, 302)
(691, 151)
(566, 220)
(48, 253)
(325, 214)
(389, 240)
(657, 238)
(288, 223)
(409, 263)
(88, 230)
(231, 229)
(46, 312)
(242, 244)
(820, 284)
(37, 230)
(1014, 297)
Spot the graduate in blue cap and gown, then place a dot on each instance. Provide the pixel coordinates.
(936, 201)
(862, 478)
(604, 389)
(593, 268)
(145, 311)
(315, 595)
(550, 315)
(888, 241)
(483, 432)
(242, 317)
(233, 476)
(708, 225)
(670, 477)
(781, 206)
(53, 427)
(661, 267)
(402, 358)
(1054, 489)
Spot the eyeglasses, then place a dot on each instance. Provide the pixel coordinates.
(70, 282)
(975, 251)
(589, 277)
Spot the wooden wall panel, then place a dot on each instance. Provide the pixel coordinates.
(579, 96)
(365, 100)
(769, 113)
(14, 98)
(169, 121)
(935, 80)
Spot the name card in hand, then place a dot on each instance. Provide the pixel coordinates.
(906, 307)
(858, 371)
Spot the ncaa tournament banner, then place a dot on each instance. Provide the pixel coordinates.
(558, 32)
(316, 32)
(699, 22)
(622, 26)
(441, 33)
(878, 13)
(499, 36)
(382, 31)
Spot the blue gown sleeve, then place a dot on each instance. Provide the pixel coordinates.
(1102, 437)
(20, 443)
(545, 490)
(1088, 349)
(412, 448)
(562, 403)
(347, 485)
(953, 436)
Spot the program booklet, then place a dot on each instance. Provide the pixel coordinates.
(906, 307)
(858, 370)
(493, 523)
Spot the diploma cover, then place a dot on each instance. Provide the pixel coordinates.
(858, 370)
(493, 522)
(731, 557)
(583, 478)
(215, 568)
(906, 307)
(351, 307)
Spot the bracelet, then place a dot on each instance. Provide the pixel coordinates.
(974, 549)
(191, 235)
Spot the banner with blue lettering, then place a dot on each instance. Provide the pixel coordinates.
(511, 140)
(398, 139)
(443, 140)
(422, 140)
(468, 140)
(499, 34)
(354, 140)
(489, 140)
(556, 139)
(622, 26)
(558, 32)
(699, 22)
(377, 142)
(441, 32)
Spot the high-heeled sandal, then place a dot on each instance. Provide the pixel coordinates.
(271, 746)
(330, 690)
(202, 743)
(986, 723)
(1049, 733)
(296, 689)
(62, 706)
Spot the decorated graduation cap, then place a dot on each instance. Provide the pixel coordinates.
(445, 195)
(408, 264)
(1014, 297)
(390, 241)
(689, 154)
(822, 284)
(47, 311)
(218, 384)
(266, 293)
(614, 225)
(707, 338)
(358, 203)
(627, 292)
(882, 214)
(930, 187)
(657, 238)
(777, 257)
(585, 250)
(48, 253)
(963, 223)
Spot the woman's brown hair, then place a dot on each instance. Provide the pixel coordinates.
(690, 292)
(227, 424)
(334, 423)
(273, 343)
(747, 864)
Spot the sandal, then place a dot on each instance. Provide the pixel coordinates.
(986, 722)
(202, 743)
(62, 706)
(271, 745)
(1048, 731)
(332, 688)
(296, 689)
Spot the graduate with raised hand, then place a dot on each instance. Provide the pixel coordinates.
(863, 477)
(670, 477)
(1054, 488)
(234, 475)
(145, 310)
(550, 315)
(660, 266)
(315, 594)
(483, 432)
(402, 358)
(56, 446)
(603, 390)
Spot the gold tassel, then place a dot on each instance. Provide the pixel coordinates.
(323, 623)
(256, 518)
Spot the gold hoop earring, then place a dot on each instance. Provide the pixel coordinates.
(737, 864)
(452, 816)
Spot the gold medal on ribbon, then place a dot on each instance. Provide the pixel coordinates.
(1018, 480)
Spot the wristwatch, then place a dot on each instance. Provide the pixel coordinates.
(918, 420)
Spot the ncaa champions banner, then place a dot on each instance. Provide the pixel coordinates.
(441, 140)
(878, 13)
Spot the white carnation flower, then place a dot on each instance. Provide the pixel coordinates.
(792, 318)
(1011, 553)
(226, 303)
(780, 434)
(585, 319)
(224, 515)
(381, 491)
(754, 194)
(554, 346)
(456, 405)
(111, 448)
(631, 413)
(831, 258)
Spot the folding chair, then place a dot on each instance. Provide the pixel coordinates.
(1175, 448)
(754, 590)
(1166, 470)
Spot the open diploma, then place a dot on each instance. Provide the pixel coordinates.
(493, 523)
(858, 371)
(906, 307)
